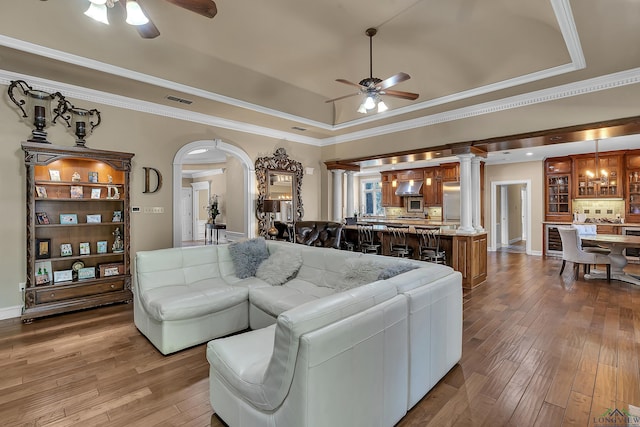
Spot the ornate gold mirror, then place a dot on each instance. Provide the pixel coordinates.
(279, 185)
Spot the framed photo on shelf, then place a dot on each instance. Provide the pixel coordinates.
(42, 218)
(117, 216)
(93, 176)
(85, 248)
(68, 218)
(43, 248)
(96, 193)
(76, 192)
(111, 269)
(62, 276)
(66, 249)
(94, 218)
(54, 175)
(44, 274)
(87, 273)
(41, 191)
(102, 247)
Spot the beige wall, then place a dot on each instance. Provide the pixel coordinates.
(515, 212)
(155, 141)
(533, 171)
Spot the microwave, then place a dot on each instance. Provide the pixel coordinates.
(415, 204)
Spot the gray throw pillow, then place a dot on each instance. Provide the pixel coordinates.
(247, 256)
(359, 271)
(395, 269)
(280, 267)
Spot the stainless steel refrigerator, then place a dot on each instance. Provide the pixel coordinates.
(451, 201)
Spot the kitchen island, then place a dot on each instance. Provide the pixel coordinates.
(466, 252)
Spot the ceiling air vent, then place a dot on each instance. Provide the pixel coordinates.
(180, 100)
(298, 128)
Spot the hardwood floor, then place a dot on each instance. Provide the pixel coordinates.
(539, 350)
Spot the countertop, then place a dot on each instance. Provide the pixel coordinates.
(408, 221)
(616, 224)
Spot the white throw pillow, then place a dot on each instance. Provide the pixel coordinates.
(280, 267)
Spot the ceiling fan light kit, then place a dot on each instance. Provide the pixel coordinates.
(373, 88)
(98, 12)
(137, 17)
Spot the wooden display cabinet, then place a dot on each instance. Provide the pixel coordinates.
(633, 187)
(389, 197)
(76, 200)
(603, 184)
(558, 189)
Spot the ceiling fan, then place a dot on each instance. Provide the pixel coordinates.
(373, 88)
(136, 15)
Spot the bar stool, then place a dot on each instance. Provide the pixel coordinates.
(429, 238)
(366, 239)
(398, 241)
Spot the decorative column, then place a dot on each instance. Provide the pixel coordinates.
(476, 206)
(465, 194)
(337, 194)
(350, 206)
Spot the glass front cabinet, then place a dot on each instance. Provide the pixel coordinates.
(558, 189)
(77, 229)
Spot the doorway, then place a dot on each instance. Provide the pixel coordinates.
(247, 193)
(510, 216)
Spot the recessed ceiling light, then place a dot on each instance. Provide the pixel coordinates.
(529, 153)
(197, 151)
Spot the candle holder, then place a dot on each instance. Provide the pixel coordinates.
(78, 119)
(38, 108)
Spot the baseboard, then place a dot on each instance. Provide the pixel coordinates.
(517, 239)
(10, 312)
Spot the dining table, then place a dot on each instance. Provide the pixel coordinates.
(616, 243)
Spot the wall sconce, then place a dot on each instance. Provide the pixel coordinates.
(38, 110)
(394, 183)
(78, 120)
(428, 181)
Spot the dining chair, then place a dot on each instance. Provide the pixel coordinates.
(572, 251)
(398, 241)
(366, 239)
(429, 241)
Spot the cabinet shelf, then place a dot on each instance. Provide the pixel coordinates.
(45, 242)
(83, 183)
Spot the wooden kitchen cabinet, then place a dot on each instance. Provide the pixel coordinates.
(432, 187)
(602, 183)
(408, 175)
(558, 189)
(77, 209)
(633, 187)
(450, 172)
(389, 198)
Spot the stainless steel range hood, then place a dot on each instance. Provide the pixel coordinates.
(406, 189)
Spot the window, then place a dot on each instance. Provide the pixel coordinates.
(371, 197)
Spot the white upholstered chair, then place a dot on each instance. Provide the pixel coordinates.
(572, 251)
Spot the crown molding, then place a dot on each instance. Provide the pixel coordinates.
(569, 90)
(119, 101)
(561, 8)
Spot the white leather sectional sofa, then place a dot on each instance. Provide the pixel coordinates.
(319, 352)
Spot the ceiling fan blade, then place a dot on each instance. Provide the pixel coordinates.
(401, 94)
(347, 82)
(393, 80)
(201, 7)
(343, 97)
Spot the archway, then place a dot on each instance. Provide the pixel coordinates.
(249, 184)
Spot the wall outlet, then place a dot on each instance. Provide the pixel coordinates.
(21, 286)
